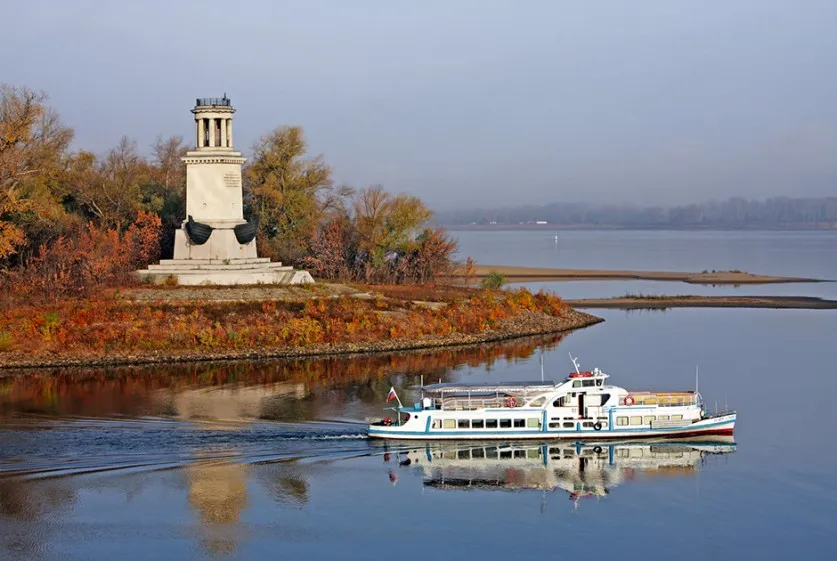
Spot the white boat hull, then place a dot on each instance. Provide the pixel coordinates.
(718, 425)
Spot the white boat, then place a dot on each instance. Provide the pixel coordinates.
(582, 470)
(582, 407)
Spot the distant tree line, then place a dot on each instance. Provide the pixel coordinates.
(776, 212)
(75, 219)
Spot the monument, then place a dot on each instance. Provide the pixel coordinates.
(216, 245)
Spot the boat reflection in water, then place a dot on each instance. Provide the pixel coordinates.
(582, 470)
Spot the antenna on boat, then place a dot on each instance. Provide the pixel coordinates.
(575, 363)
(696, 379)
(541, 365)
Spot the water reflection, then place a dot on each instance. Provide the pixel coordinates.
(582, 470)
(218, 493)
(286, 390)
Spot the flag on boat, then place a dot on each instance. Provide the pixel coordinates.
(391, 395)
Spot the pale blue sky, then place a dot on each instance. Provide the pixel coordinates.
(465, 102)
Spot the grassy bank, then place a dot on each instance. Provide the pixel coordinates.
(180, 324)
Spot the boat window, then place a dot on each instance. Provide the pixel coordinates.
(520, 453)
(636, 420)
(463, 424)
(663, 417)
(533, 423)
(555, 425)
(562, 401)
(621, 421)
(648, 419)
(519, 423)
(437, 423)
(599, 382)
(587, 424)
(569, 425)
(505, 423)
(538, 402)
(533, 453)
(605, 398)
(505, 454)
(588, 383)
(450, 423)
(477, 453)
(463, 454)
(491, 423)
(491, 453)
(677, 417)
(477, 423)
(576, 383)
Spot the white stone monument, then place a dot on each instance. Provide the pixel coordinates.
(216, 245)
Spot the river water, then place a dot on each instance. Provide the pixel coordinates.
(268, 460)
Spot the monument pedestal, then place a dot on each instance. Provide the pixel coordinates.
(191, 272)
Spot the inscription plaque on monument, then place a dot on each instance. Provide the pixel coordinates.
(232, 179)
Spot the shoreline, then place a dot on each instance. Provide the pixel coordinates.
(686, 301)
(525, 325)
(533, 274)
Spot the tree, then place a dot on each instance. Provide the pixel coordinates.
(386, 225)
(332, 251)
(110, 189)
(33, 144)
(165, 194)
(289, 193)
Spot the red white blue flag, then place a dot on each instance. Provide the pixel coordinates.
(391, 395)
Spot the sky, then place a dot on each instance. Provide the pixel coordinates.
(464, 103)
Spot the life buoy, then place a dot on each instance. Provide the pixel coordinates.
(387, 422)
(629, 400)
(511, 401)
(597, 449)
(597, 426)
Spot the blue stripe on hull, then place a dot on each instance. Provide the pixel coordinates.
(609, 433)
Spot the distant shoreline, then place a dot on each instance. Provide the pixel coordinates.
(664, 302)
(534, 274)
(609, 227)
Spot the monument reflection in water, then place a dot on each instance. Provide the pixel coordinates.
(582, 470)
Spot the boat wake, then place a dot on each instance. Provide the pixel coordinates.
(44, 447)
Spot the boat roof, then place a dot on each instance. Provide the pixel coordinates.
(492, 386)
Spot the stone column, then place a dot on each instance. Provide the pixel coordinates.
(223, 123)
(201, 133)
(211, 132)
(229, 133)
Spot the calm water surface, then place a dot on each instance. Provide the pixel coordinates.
(268, 460)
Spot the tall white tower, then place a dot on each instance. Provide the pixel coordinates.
(213, 188)
(216, 245)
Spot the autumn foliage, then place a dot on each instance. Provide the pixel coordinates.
(88, 258)
(108, 326)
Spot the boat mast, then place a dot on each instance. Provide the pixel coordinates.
(575, 363)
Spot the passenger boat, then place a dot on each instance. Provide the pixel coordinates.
(582, 470)
(584, 406)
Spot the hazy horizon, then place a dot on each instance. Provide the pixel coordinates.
(470, 103)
